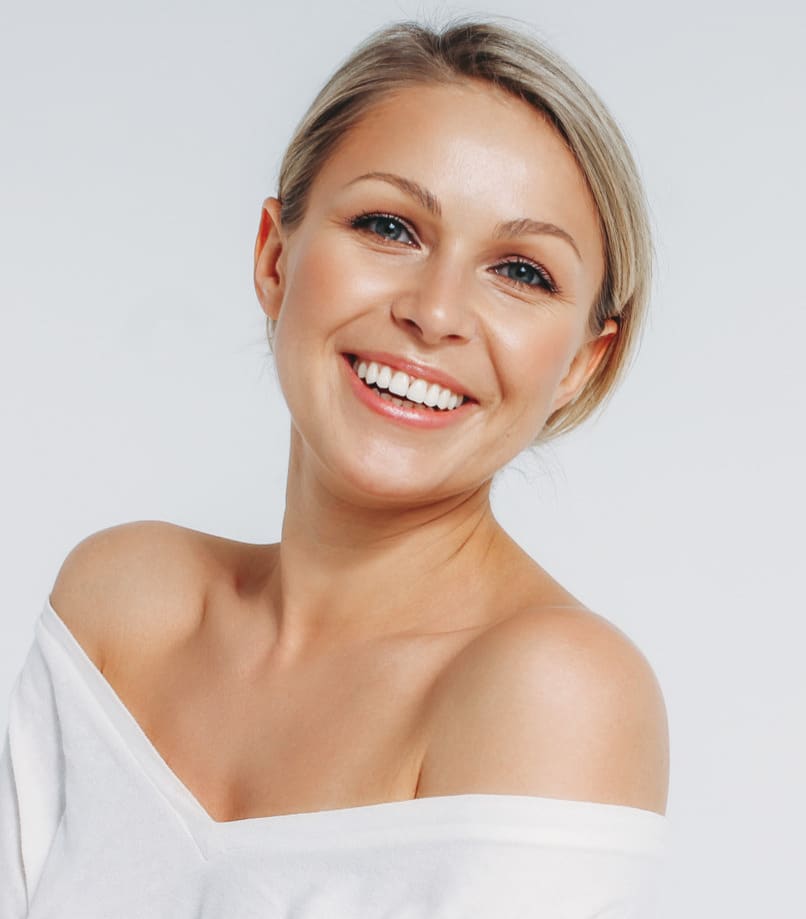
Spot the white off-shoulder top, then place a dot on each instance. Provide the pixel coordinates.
(94, 824)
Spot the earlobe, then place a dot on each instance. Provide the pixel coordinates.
(584, 365)
(269, 249)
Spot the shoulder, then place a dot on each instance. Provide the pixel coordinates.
(141, 582)
(553, 703)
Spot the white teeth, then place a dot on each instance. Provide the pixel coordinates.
(414, 389)
(388, 397)
(400, 383)
(432, 395)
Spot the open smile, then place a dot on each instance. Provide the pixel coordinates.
(403, 398)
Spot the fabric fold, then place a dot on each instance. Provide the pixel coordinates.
(93, 823)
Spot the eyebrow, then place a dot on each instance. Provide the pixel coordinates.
(506, 229)
(420, 194)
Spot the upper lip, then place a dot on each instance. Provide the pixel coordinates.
(415, 368)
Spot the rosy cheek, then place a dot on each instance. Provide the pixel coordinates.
(537, 340)
(551, 353)
(335, 281)
(537, 355)
(311, 277)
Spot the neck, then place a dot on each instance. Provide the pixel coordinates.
(345, 571)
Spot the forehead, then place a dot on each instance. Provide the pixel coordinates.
(483, 152)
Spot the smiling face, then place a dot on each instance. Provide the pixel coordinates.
(453, 229)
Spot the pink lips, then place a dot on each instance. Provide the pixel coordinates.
(412, 417)
(416, 369)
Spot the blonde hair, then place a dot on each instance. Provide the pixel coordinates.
(408, 53)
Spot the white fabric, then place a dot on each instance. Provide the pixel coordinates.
(94, 824)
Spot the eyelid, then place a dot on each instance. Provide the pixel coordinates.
(548, 280)
(546, 276)
(389, 216)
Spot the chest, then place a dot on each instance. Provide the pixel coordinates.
(349, 730)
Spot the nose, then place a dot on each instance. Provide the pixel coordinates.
(435, 305)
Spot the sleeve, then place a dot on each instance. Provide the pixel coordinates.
(13, 897)
(31, 785)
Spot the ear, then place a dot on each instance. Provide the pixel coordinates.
(584, 365)
(270, 249)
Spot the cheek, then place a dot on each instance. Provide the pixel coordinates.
(330, 282)
(315, 303)
(328, 285)
(537, 352)
(312, 288)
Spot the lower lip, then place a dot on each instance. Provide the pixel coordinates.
(413, 417)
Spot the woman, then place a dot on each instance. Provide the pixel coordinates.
(394, 711)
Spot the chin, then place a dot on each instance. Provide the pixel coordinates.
(369, 483)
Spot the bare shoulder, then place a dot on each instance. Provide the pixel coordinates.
(553, 703)
(134, 583)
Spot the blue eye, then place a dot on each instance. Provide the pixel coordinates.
(387, 226)
(528, 275)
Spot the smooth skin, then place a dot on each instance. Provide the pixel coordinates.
(396, 643)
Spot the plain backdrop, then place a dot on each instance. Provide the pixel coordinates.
(138, 141)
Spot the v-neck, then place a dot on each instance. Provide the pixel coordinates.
(516, 817)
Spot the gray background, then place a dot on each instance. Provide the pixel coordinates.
(139, 140)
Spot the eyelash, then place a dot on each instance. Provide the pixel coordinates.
(360, 221)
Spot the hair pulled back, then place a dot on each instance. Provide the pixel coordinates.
(408, 53)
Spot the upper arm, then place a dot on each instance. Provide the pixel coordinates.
(127, 583)
(562, 707)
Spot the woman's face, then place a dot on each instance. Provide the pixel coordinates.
(481, 263)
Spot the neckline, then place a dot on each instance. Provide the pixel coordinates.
(616, 823)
